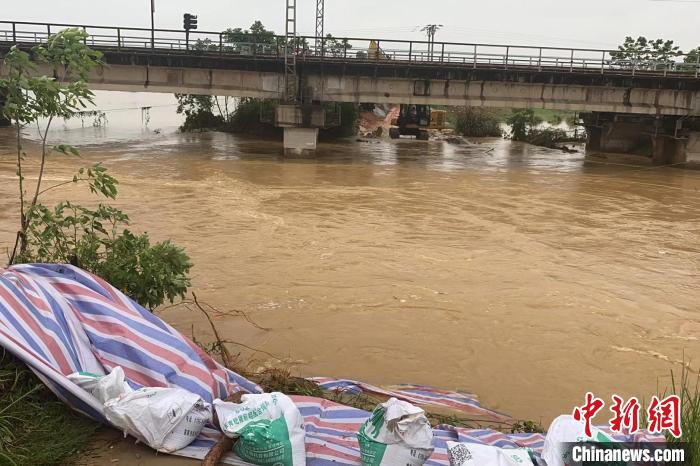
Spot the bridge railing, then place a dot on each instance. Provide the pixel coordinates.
(420, 53)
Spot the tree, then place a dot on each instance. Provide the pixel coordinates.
(30, 99)
(93, 238)
(203, 111)
(693, 56)
(257, 39)
(521, 122)
(644, 53)
(336, 47)
(477, 122)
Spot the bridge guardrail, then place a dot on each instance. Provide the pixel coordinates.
(472, 55)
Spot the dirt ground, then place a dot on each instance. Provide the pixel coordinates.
(109, 447)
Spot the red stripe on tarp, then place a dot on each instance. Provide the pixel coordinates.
(48, 340)
(117, 330)
(320, 449)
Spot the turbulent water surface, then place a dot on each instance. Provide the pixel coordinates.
(525, 275)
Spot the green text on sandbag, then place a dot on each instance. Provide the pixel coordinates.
(265, 443)
(372, 452)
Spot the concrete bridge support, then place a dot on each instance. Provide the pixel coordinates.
(301, 123)
(666, 140)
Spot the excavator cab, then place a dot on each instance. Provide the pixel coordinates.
(415, 120)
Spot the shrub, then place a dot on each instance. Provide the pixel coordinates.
(521, 122)
(478, 122)
(96, 240)
(546, 137)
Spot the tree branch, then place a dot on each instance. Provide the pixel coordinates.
(43, 162)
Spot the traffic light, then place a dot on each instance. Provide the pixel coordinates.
(190, 22)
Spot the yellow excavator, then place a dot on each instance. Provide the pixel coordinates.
(416, 120)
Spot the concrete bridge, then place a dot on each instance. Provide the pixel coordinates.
(390, 71)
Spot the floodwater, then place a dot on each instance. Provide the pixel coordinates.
(525, 275)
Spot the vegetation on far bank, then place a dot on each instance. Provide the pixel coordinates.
(256, 116)
(525, 125)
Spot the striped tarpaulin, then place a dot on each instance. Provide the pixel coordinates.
(59, 320)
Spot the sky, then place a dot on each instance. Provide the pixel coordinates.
(560, 23)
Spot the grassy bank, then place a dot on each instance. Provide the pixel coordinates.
(36, 428)
(687, 387)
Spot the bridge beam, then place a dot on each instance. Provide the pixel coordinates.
(326, 87)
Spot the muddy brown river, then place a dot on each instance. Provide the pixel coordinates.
(525, 275)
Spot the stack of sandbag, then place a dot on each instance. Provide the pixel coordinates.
(166, 419)
(268, 428)
(397, 434)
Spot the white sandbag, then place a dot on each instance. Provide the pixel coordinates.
(397, 434)
(166, 419)
(102, 387)
(85, 380)
(563, 430)
(269, 427)
(472, 454)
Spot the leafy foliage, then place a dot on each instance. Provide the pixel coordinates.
(256, 39)
(199, 111)
(693, 56)
(148, 273)
(547, 137)
(477, 122)
(336, 47)
(343, 120)
(95, 239)
(246, 116)
(644, 53)
(521, 121)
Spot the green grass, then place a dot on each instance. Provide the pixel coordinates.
(687, 387)
(36, 428)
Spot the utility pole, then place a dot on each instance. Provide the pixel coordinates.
(320, 10)
(290, 61)
(430, 31)
(153, 23)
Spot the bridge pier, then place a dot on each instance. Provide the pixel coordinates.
(300, 140)
(301, 123)
(666, 140)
